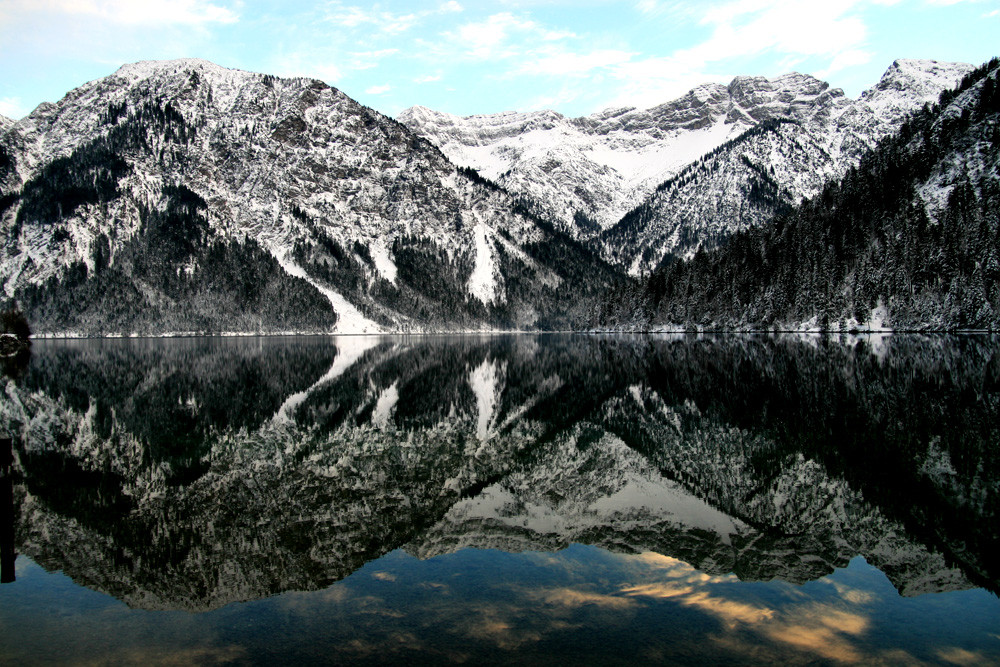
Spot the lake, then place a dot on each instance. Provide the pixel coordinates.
(515, 499)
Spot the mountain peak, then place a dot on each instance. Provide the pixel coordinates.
(921, 80)
(144, 69)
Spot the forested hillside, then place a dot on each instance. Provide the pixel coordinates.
(906, 240)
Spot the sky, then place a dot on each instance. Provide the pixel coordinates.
(466, 57)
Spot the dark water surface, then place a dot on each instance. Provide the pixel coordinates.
(513, 499)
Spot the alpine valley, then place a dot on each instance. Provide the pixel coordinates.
(180, 196)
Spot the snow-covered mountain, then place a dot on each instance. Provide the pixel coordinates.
(168, 179)
(590, 172)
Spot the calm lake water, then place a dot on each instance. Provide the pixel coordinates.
(512, 499)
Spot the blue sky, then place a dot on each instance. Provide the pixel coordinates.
(470, 57)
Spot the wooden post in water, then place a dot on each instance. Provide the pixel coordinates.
(7, 554)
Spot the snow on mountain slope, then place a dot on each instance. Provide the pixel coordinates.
(589, 172)
(335, 192)
(601, 165)
(746, 181)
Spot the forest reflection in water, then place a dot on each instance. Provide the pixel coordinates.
(505, 498)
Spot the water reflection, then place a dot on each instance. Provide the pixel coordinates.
(189, 474)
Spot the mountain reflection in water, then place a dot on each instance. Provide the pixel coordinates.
(190, 474)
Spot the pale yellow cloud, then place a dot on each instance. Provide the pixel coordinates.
(568, 597)
(960, 656)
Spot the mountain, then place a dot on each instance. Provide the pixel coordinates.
(907, 239)
(645, 183)
(182, 196)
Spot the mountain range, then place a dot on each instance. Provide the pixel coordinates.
(690, 165)
(183, 197)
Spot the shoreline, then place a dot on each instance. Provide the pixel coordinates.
(511, 332)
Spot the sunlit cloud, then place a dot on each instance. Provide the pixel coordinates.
(826, 630)
(378, 90)
(730, 612)
(821, 630)
(491, 626)
(853, 595)
(961, 656)
(572, 598)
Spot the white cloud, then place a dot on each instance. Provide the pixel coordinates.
(568, 63)
(487, 40)
(378, 90)
(500, 36)
(362, 60)
(427, 78)
(351, 17)
(670, 9)
(651, 81)
(387, 22)
(130, 12)
(844, 60)
(752, 27)
(12, 107)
